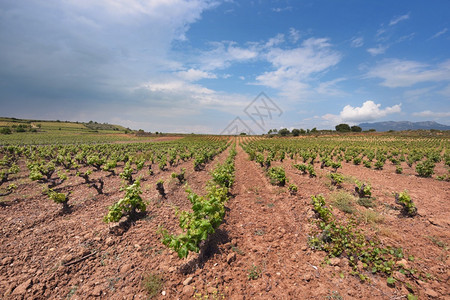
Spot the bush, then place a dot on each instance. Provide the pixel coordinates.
(379, 165)
(425, 169)
(363, 190)
(5, 130)
(277, 176)
(128, 205)
(336, 179)
(293, 189)
(409, 208)
(357, 160)
(367, 164)
(301, 167)
(180, 176)
(160, 187)
(59, 198)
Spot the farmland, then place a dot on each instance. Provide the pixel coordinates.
(113, 215)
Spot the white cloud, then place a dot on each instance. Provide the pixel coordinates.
(295, 67)
(399, 19)
(430, 114)
(281, 9)
(195, 75)
(278, 39)
(438, 34)
(332, 119)
(329, 87)
(407, 37)
(380, 49)
(187, 96)
(417, 94)
(367, 112)
(294, 35)
(357, 42)
(403, 73)
(224, 53)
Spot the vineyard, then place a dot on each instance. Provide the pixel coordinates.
(214, 217)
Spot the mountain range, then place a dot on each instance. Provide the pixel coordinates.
(403, 125)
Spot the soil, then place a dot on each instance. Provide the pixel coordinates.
(259, 252)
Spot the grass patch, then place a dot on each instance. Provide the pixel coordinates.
(254, 272)
(152, 283)
(367, 202)
(369, 216)
(438, 242)
(344, 201)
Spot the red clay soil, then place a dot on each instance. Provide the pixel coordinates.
(259, 252)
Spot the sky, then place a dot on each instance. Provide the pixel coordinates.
(216, 66)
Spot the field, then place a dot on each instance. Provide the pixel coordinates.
(337, 217)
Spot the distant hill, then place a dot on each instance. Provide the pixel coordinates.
(403, 125)
(46, 125)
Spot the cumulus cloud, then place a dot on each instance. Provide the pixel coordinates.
(404, 73)
(367, 112)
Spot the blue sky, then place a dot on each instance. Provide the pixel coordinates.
(194, 66)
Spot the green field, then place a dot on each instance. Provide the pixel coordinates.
(40, 132)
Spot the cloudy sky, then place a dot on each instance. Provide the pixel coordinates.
(194, 66)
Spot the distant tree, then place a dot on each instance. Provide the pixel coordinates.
(243, 133)
(307, 131)
(20, 128)
(284, 132)
(314, 130)
(343, 128)
(372, 130)
(270, 131)
(356, 128)
(274, 130)
(302, 131)
(295, 132)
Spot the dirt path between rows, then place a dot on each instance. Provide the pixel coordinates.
(268, 230)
